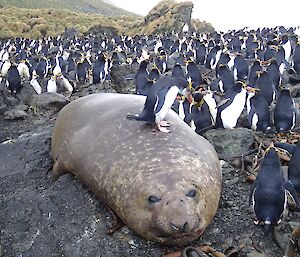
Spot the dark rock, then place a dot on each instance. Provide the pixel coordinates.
(26, 93)
(255, 254)
(7, 99)
(230, 142)
(99, 30)
(294, 89)
(49, 101)
(294, 78)
(1, 251)
(118, 78)
(3, 108)
(168, 16)
(15, 114)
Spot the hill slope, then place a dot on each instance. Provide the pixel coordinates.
(88, 6)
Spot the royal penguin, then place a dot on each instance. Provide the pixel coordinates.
(201, 53)
(258, 111)
(141, 79)
(296, 59)
(294, 168)
(177, 71)
(13, 80)
(213, 57)
(35, 83)
(274, 73)
(225, 78)
(81, 72)
(240, 68)
(284, 112)
(286, 44)
(268, 196)
(193, 74)
(63, 81)
(5, 67)
(230, 109)
(100, 69)
(42, 68)
(23, 70)
(255, 69)
(199, 116)
(265, 86)
(159, 100)
(51, 85)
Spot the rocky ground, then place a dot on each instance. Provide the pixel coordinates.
(39, 217)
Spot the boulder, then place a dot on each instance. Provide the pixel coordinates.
(15, 114)
(230, 142)
(49, 101)
(167, 16)
(120, 79)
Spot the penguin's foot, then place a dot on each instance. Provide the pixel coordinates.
(165, 123)
(163, 129)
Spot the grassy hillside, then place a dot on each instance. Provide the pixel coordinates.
(34, 23)
(90, 6)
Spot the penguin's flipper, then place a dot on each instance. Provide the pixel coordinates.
(224, 101)
(188, 118)
(285, 146)
(251, 196)
(290, 189)
(132, 117)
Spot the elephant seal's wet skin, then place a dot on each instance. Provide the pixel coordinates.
(165, 187)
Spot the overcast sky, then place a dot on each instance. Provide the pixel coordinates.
(231, 14)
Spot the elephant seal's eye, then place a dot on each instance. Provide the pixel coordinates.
(153, 199)
(192, 193)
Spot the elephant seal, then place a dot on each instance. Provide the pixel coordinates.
(165, 187)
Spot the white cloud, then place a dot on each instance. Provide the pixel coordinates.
(231, 14)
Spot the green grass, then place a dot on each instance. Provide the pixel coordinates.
(90, 6)
(37, 23)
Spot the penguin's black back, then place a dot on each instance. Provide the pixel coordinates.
(284, 112)
(294, 168)
(177, 71)
(260, 107)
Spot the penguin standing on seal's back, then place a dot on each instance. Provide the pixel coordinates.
(159, 100)
(284, 112)
(268, 196)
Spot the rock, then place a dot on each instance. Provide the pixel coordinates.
(118, 78)
(7, 99)
(230, 142)
(21, 107)
(49, 101)
(3, 108)
(168, 16)
(15, 114)
(26, 93)
(256, 254)
(295, 90)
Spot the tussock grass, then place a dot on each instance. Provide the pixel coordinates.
(33, 23)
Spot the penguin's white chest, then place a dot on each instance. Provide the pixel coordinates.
(232, 112)
(168, 101)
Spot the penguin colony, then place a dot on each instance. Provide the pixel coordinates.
(208, 79)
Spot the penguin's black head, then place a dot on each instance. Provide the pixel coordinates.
(271, 155)
(198, 97)
(285, 92)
